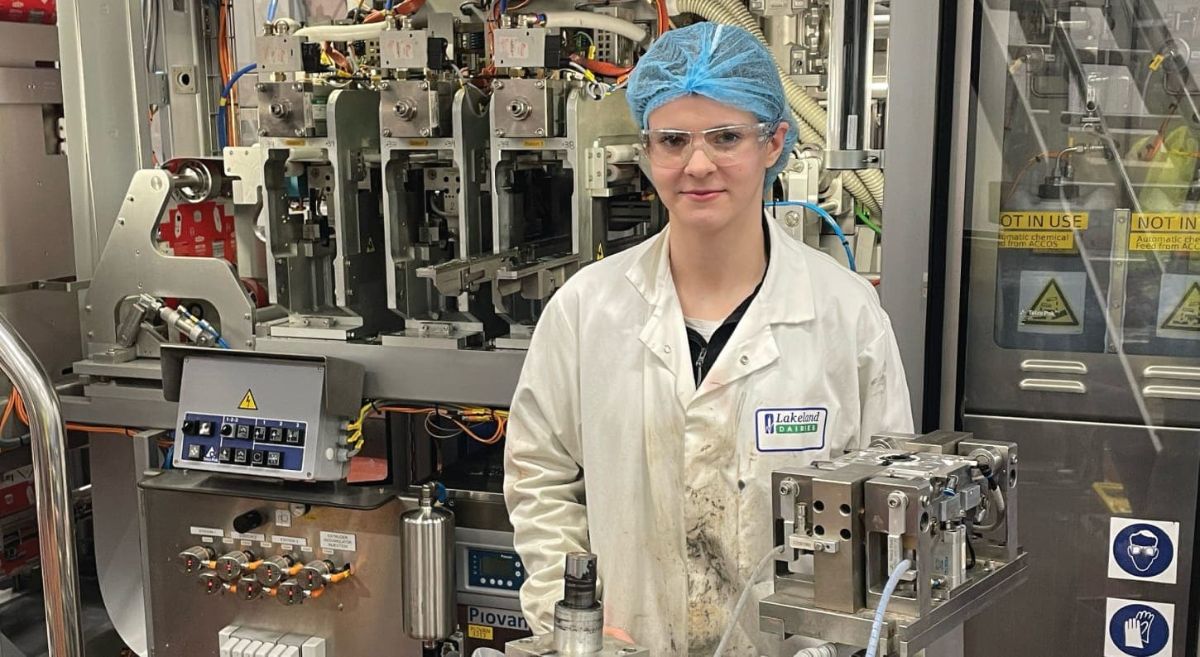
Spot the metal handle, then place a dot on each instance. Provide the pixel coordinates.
(1172, 372)
(1056, 366)
(1053, 385)
(1172, 392)
(55, 512)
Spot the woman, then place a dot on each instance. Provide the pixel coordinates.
(664, 384)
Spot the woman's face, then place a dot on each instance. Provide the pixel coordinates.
(698, 192)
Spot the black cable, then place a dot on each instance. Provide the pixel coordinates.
(970, 551)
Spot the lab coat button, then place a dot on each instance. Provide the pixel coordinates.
(667, 348)
(744, 360)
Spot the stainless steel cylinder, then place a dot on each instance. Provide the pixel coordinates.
(579, 617)
(427, 571)
(55, 512)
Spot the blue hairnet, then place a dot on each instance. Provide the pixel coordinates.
(722, 62)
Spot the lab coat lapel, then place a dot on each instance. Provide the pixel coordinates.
(668, 365)
(785, 297)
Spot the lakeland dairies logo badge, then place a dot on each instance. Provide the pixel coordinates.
(790, 429)
(792, 421)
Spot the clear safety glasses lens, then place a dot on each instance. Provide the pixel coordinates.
(673, 149)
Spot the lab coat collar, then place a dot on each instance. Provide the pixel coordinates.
(786, 296)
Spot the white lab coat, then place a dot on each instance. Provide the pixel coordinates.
(613, 449)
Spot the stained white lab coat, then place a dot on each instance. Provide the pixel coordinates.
(613, 449)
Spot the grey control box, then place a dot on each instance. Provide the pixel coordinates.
(261, 415)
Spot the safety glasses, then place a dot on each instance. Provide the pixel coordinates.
(673, 149)
(1143, 550)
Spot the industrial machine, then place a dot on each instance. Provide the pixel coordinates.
(1078, 191)
(922, 527)
(317, 236)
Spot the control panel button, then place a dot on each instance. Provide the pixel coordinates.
(260, 433)
(195, 452)
(258, 458)
(225, 455)
(275, 435)
(189, 426)
(274, 459)
(205, 429)
(289, 593)
(294, 437)
(226, 429)
(241, 456)
(243, 432)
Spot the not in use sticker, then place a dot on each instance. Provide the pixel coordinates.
(1143, 550)
(1137, 628)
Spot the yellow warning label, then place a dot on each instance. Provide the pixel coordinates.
(1164, 231)
(1186, 316)
(248, 403)
(1040, 230)
(534, 143)
(1050, 308)
(482, 632)
(1037, 239)
(1041, 220)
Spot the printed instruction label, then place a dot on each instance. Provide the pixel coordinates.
(290, 541)
(1040, 230)
(207, 531)
(1143, 550)
(1137, 628)
(1164, 231)
(481, 632)
(339, 541)
(248, 537)
(283, 518)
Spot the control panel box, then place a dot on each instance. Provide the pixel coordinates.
(487, 564)
(261, 415)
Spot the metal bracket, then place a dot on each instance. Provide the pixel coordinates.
(63, 284)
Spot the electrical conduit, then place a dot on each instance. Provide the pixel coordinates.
(588, 20)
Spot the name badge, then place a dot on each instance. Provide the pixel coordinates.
(790, 429)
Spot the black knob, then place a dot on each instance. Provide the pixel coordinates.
(248, 521)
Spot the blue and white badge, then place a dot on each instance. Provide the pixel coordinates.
(1138, 629)
(1143, 550)
(790, 429)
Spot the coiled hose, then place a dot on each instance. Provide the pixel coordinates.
(866, 185)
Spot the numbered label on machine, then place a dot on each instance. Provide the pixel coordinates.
(257, 415)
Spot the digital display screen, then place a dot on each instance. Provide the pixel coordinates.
(495, 566)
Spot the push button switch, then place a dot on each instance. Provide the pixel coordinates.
(275, 435)
(225, 455)
(241, 456)
(274, 459)
(258, 458)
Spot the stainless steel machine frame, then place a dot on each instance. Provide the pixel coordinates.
(860, 515)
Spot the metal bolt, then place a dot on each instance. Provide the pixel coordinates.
(262, 132)
(387, 132)
(896, 500)
(539, 132)
(121, 220)
(424, 85)
(87, 308)
(260, 86)
(424, 132)
(498, 84)
(384, 86)
(499, 132)
(246, 317)
(540, 84)
(788, 487)
(299, 132)
(792, 219)
(298, 87)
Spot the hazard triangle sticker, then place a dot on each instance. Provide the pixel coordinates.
(248, 403)
(1186, 316)
(1050, 308)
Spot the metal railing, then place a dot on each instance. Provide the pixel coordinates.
(55, 511)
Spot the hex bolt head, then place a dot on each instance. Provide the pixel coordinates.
(299, 132)
(260, 86)
(387, 132)
(262, 132)
(499, 132)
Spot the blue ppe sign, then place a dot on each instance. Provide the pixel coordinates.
(1143, 550)
(1138, 629)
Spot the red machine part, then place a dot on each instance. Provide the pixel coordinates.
(199, 229)
(29, 11)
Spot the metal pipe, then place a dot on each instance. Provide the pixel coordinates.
(55, 510)
(851, 59)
